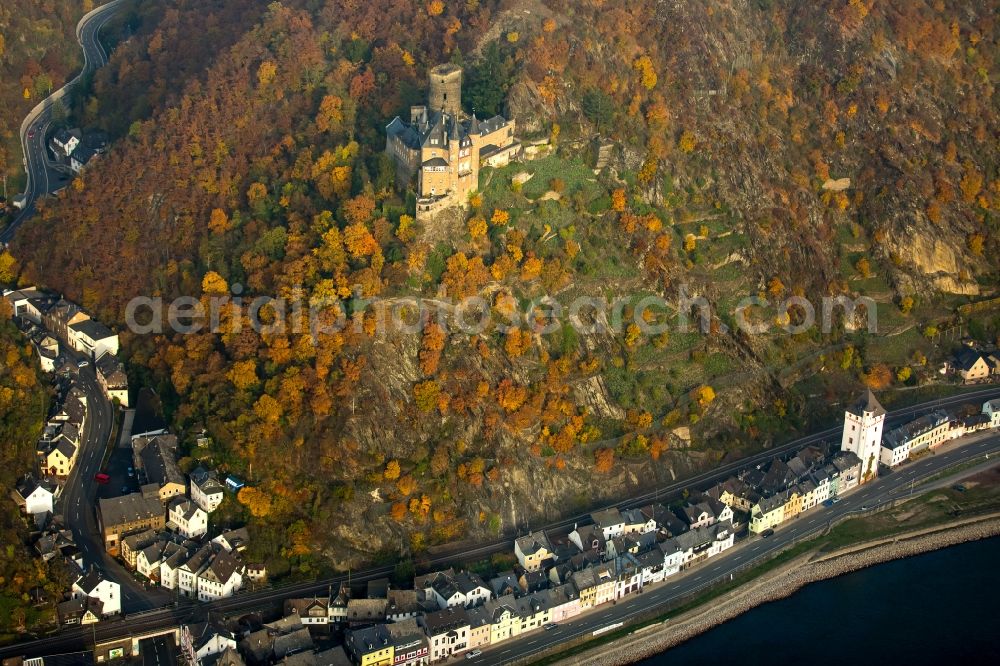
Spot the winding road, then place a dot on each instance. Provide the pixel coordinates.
(41, 178)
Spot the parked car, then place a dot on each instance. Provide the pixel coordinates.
(550, 626)
(83, 364)
(125, 490)
(131, 470)
(828, 502)
(473, 654)
(836, 499)
(766, 533)
(102, 478)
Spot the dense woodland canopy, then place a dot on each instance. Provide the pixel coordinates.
(254, 156)
(38, 52)
(23, 405)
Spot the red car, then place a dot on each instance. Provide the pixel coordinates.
(31, 134)
(102, 478)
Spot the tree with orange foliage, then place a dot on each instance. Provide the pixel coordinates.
(604, 460)
(218, 221)
(359, 241)
(878, 377)
(406, 484)
(618, 201)
(517, 342)
(359, 209)
(511, 396)
(431, 347)
(398, 511)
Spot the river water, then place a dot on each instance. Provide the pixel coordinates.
(936, 608)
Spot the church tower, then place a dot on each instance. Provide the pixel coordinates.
(863, 423)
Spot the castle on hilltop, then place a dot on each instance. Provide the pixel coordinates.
(446, 148)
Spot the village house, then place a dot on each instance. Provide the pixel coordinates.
(33, 496)
(206, 489)
(121, 516)
(992, 409)
(403, 604)
(370, 646)
(768, 513)
(170, 566)
(187, 518)
(135, 543)
(610, 521)
(112, 378)
(972, 366)
(504, 623)
(533, 550)
(92, 338)
(444, 148)
(480, 627)
(64, 142)
(203, 640)
(447, 632)
(156, 459)
(223, 577)
(918, 435)
(83, 610)
(409, 644)
(637, 523)
(93, 584)
(234, 540)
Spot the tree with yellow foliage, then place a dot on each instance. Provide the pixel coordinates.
(243, 374)
(391, 472)
(213, 283)
(477, 228)
(500, 217)
(256, 500)
(435, 7)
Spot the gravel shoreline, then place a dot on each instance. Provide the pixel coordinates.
(781, 583)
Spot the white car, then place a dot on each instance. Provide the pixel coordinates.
(473, 654)
(83, 364)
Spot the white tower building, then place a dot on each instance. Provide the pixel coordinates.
(863, 423)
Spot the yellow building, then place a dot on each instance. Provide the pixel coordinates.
(371, 646)
(768, 513)
(444, 148)
(793, 506)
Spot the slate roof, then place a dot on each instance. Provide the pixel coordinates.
(534, 542)
(910, 431)
(92, 329)
(127, 509)
(607, 518)
(867, 403)
(28, 485)
(446, 620)
(89, 581)
(112, 370)
(159, 460)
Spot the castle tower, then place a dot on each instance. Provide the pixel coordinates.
(863, 423)
(446, 89)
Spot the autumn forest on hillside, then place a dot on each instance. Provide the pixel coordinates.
(254, 155)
